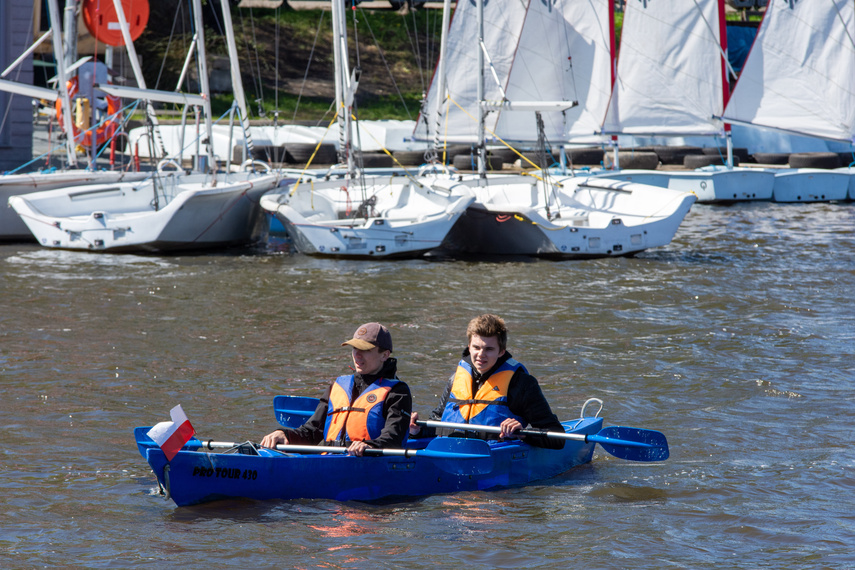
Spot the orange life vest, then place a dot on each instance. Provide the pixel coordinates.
(361, 419)
(105, 131)
(489, 405)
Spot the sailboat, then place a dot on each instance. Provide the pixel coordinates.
(672, 82)
(354, 214)
(528, 48)
(12, 227)
(169, 210)
(800, 78)
(539, 52)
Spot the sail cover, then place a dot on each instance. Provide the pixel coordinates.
(800, 73)
(669, 72)
(540, 50)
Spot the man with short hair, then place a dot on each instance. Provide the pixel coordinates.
(490, 388)
(370, 408)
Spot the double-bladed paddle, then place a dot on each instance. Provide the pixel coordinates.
(633, 444)
(438, 448)
(454, 455)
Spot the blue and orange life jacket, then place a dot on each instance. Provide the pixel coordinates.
(489, 405)
(361, 419)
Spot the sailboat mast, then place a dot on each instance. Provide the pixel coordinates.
(482, 151)
(70, 26)
(62, 80)
(138, 75)
(237, 84)
(203, 81)
(613, 69)
(343, 97)
(725, 79)
(443, 47)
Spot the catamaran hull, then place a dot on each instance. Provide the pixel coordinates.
(12, 227)
(126, 217)
(196, 477)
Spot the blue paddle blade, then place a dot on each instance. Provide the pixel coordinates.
(293, 411)
(633, 444)
(459, 455)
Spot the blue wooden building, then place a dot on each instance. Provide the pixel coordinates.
(16, 111)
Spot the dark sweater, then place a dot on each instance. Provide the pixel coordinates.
(525, 399)
(396, 409)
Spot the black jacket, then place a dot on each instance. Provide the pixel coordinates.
(396, 409)
(525, 399)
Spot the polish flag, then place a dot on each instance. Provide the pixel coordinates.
(171, 436)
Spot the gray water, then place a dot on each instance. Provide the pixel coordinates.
(736, 341)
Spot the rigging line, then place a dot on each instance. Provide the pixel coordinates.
(311, 158)
(571, 69)
(178, 8)
(356, 33)
(308, 65)
(384, 149)
(428, 52)
(257, 60)
(248, 52)
(718, 43)
(414, 44)
(498, 138)
(276, 69)
(388, 69)
(217, 20)
(360, 162)
(331, 109)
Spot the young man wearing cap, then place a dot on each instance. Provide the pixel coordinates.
(370, 408)
(490, 388)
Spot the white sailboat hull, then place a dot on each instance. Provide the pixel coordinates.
(12, 227)
(407, 218)
(593, 218)
(189, 214)
(711, 185)
(850, 172)
(811, 185)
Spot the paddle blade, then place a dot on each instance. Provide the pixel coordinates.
(293, 411)
(633, 444)
(459, 455)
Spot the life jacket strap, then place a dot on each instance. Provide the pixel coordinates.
(473, 401)
(348, 409)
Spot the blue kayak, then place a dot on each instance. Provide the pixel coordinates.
(425, 466)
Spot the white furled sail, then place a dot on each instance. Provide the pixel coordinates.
(800, 74)
(669, 73)
(545, 51)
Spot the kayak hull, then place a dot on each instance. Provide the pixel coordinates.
(194, 477)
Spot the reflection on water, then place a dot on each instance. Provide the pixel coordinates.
(736, 341)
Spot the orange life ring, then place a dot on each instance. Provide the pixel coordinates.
(105, 131)
(102, 21)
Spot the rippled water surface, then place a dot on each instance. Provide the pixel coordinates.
(737, 341)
